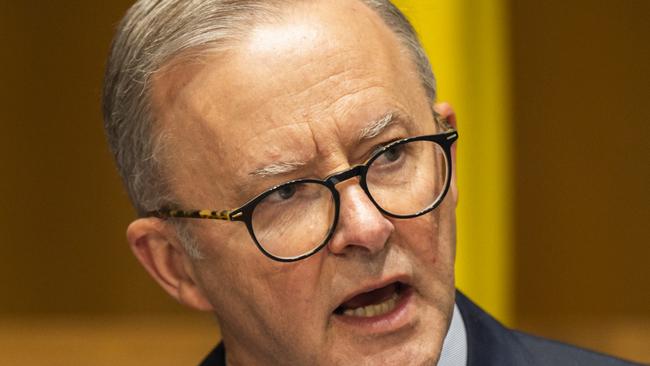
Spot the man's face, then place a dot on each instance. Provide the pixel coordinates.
(301, 89)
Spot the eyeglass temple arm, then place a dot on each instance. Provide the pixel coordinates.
(226, 215)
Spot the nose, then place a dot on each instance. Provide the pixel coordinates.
(360, 223)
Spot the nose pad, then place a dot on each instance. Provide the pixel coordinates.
(360, 223)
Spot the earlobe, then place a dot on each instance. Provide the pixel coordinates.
(157, 248)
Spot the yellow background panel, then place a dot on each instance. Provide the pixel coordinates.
(467, 44)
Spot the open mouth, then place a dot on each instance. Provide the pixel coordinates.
(374, 303)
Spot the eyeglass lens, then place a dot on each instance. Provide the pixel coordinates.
(404, 180)
(294, 219)
(408, 178)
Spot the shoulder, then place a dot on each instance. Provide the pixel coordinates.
(549, 352)
(490, 343)
(215, 358)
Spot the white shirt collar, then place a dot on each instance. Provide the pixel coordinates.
(454, 348)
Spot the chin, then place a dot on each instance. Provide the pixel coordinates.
(418, 344)
(412, 354)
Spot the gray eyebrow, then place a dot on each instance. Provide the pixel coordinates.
(376, 127)
(278, 168)
(373, 129)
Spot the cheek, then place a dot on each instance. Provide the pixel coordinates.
(420, 237)
(236, 266)
(430, 238)
(267, 299)
(229, 270)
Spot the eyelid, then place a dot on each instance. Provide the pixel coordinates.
(379, 147)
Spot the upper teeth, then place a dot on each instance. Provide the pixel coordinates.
(374, 310)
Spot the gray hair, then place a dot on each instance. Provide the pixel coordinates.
(151, 35)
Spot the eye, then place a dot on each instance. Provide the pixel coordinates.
(387, 153)
(392, 154)
(286, 192)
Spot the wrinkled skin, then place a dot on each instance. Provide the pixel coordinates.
(300, 89)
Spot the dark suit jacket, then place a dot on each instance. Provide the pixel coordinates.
(491, 344)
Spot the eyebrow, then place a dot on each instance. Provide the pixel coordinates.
(373, 129)
(278, 168)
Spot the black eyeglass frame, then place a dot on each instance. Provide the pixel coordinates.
(244, 213)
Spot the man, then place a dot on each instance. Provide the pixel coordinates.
(293, 178)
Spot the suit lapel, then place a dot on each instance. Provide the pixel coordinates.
(488, 342)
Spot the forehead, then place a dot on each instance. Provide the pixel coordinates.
(296, 89)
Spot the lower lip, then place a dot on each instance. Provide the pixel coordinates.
(400, 317)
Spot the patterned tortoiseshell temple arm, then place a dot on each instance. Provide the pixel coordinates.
(196, 214)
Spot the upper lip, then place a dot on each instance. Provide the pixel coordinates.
(401, 278)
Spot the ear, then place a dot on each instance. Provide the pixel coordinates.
(157, 247)
(446, 112)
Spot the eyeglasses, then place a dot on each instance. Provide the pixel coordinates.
(404, 179)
